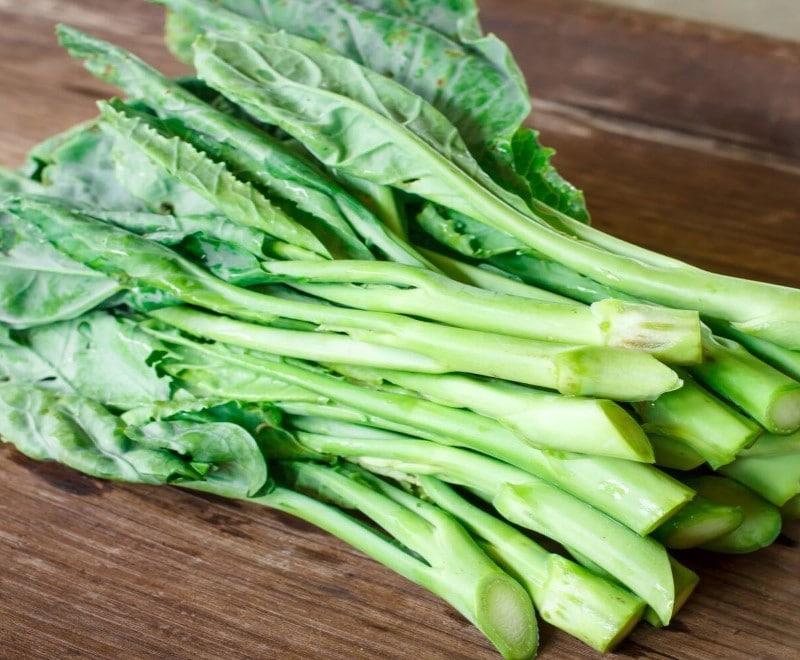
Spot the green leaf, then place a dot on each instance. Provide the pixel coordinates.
(15, 183)
(153, 186)
(226, 454)
(173, 229)
(22, 366)
(39, 284)
(457, 19)
(532, 161)
(192, 112)
(470, 78)
(183, 404)
(465, 235)
(83, 435)
(103, 358)
(486, 99)
(179, 34)
(238, 200)
(360, 122)
(78, 166)
(231, 251)
(348, 116)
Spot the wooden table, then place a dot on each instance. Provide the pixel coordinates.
(685, 138)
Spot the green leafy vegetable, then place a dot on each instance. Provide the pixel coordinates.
(38, 284)
(82, 434)
(360, 122)
(232, 282)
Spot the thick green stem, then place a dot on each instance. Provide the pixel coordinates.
(597, 427)
(549, 512)
(673, 453)
(771, 467)
(763, 392)
(552, 276)
(699, 421)
(589, 371)
(791, 510)
(671, 335)
(328, 418)
(779, 357)
(684, 578)
(762, 520)
(383, 203)
(317, 346)
(491, 280)
(454, 567)
(769, 396)
(605, 372)
(636, 494)
(765, 310)
(638, 562)
(700, 521)
(568, 596)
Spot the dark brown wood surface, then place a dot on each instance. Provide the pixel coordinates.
(685, 138)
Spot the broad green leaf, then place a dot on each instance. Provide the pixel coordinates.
(180, 31)
(226, 454)
(457, 19)
(172, 229)
(153, 187)
(247, 150)
(261, 419)
(15, 183)
(78, 166)
(83, 435)
(40, 285)
(20, 365)
(156, 411)
(349, 117)
(227, 261)
(231, 251)
(240, 201)
(486, 102)
(471, 78)
(358, 121)
(103, 358)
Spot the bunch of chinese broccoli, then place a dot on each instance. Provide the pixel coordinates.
(332, 273)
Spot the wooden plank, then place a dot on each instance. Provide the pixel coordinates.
(731, 86)
(95, 570)
(730, 214)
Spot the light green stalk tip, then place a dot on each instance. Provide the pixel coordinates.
(770, 467)
(601, 615)
(685, 580)
(672, 335)
(699, 522)
(501, 615)
(640, 563)
(762, 520)
(764, 393)
(694, 419)
(613, 373)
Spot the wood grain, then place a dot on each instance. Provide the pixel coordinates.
(98, 570)
(730, 86)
